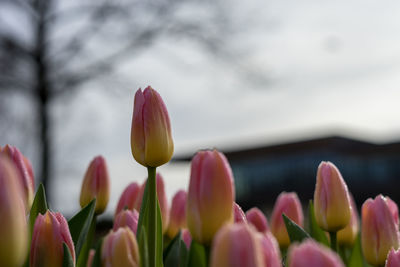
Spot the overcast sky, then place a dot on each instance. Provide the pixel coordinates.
(319, 68)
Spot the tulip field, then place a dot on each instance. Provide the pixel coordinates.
(202, 226)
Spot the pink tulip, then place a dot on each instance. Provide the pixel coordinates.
(129, 198)
(96, 184)
(257, 219)
(25, 173)
(379, 232)
(162, 200)
(347, 236)
(331, 199)
(119, 249)
(394, 210)
(288, 204)
(238, 214)
(310, 253)
(236, 245)
(177, 218)
(187, 238)
(270, 249)
(211, 195)
(92, 252)
(393, 258)
(127, 218)
(13, 230)
(49, 233)
(151, 138)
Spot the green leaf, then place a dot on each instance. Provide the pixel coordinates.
(67, 259)
(356, 258)
(296, 233)
(143, 210)
(175, 254)
(159, 259)
(79, 225)
(197, 255)
(315, 231)
(97, 256)
(39, 205)
(143, 225)
(143, 249)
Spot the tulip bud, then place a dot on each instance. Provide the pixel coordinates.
(96, 184)
(288, 204)
(129, 198)
(394, 210)
(13, 230)
(379, 232)
(211, 195)
(49, 233)
(92, 252)
(331, 199)
(127, 218)
(120, 249)
(177, 218)
(311, 253)
(24, 173)
(393, 258)
(162, 200)
(151, 138)
(238, 214)
(186, 237)
(347, 236)
(270, 250)
(256, 218)
(236, 245)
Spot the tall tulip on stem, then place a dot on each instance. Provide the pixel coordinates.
(331, 201)
(152, 146)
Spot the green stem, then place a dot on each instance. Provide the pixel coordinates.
(152, 231)
(333, 240)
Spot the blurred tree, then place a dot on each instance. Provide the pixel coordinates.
(51, 48)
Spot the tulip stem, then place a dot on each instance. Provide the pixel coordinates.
(152, 233)
(333, 240)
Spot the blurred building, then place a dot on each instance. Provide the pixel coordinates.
(261, 173)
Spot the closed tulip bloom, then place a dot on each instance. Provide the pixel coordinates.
(394, 210)
(379, 232)
(127, 218)
(211, 195)
(120, 249)
(92, 252)
(257, 219)
(238, 214)
(24, 171)
(129, 198)
(49, 233)
(270, 250)
(347, 236)
(289, 204)
(96, 184)
(151, 138)
(177, 217)
(393, 258)
(186, 237)
(310, 253)
(13, 230)
(236, 245)
(331, 199)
